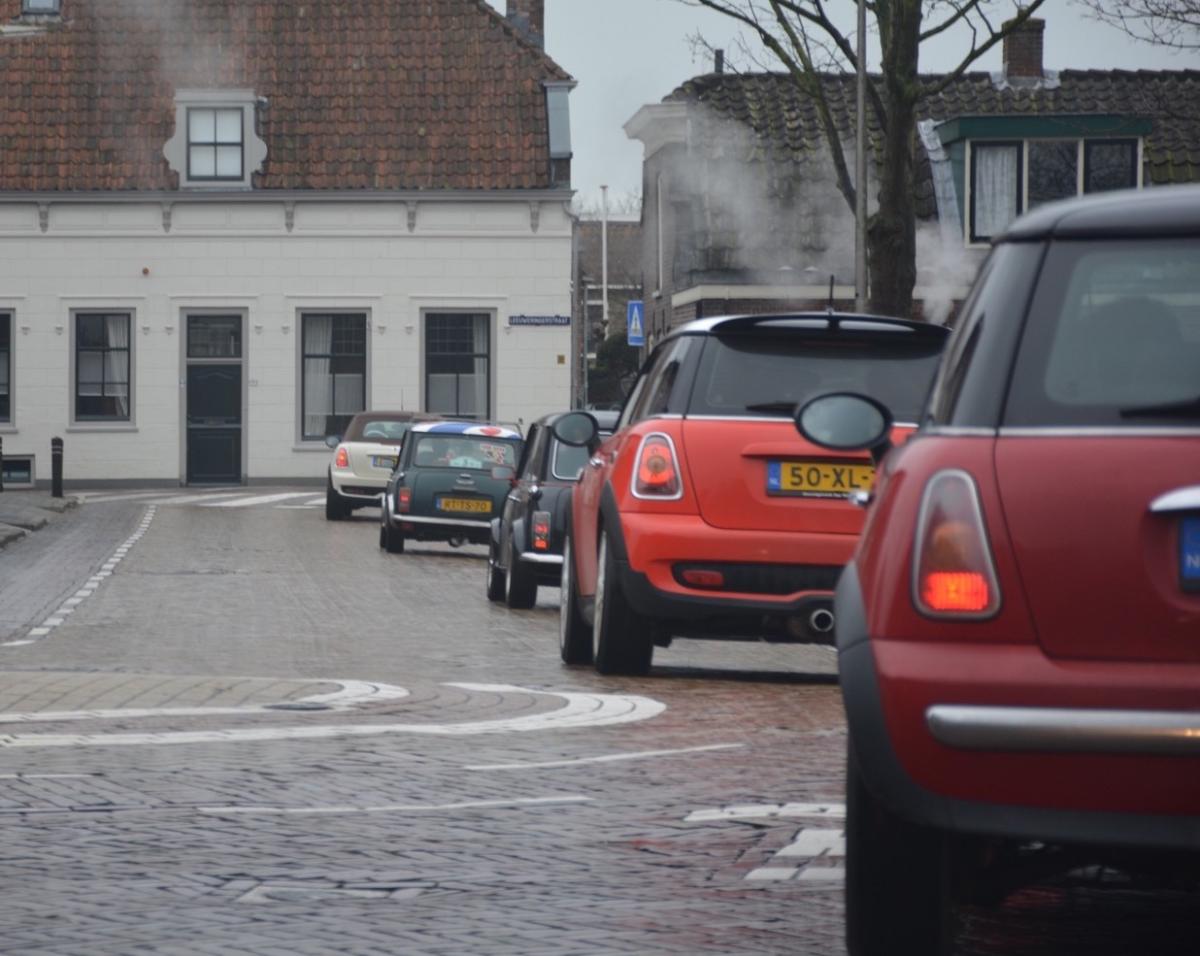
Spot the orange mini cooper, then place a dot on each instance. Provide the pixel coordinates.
(704, 514)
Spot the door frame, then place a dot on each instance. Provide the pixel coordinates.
(185, 313)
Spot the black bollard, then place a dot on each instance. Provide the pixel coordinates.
(56, 455)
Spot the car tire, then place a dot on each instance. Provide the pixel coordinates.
(495, 576)
(897, 878)
(390, 539)
(336, 508)
(574, 635)
(621, 640)
(521, 590)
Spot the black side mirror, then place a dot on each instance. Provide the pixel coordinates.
(846, 421)
(332, 441)
(577, 429)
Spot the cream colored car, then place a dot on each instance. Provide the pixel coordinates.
(363, 459)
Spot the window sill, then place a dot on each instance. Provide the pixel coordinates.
(102, 427)
(313, 446)
(8, 428)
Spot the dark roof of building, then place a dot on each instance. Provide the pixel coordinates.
(785, 121)
(353, 94)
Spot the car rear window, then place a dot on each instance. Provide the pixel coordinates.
(1112, 338)
(464, 452)
(769, 374)
(381, 429)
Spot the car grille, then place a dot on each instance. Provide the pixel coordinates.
(767, 578)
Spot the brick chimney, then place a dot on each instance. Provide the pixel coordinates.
(1023, 50)
(529, 17)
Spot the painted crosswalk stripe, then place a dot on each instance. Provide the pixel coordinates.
(200, 499)
(257, 500)
(94, 498)
(817, 855)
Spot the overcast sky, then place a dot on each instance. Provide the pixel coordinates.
(626, 53)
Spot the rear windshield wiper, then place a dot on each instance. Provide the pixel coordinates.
(783, 408)
(1186, 409)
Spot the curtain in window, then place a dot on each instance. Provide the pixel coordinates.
(116, 363)
(318, 378)
(994, 194)
(478, 400)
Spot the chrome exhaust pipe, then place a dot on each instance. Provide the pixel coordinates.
(820, 621)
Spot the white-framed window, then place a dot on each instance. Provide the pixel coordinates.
(1008, 177)
(103, 366)
(6, 325)
(333, 372)
(41, 6)
(458, 360)
(215, 144)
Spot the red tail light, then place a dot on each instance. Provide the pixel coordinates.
(954, 573)
(403, 500)
(657, 474)
(342, 460)
(541, 531)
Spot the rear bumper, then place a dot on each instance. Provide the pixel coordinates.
(967, 738)
(349, 485)
(477, 530)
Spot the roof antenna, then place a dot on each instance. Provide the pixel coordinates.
(829, 307)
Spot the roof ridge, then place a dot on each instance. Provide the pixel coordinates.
(507, 24)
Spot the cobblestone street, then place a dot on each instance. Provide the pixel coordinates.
(249, 730)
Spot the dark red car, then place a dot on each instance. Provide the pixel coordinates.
(1019, 630)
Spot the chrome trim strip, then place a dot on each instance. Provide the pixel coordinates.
(1101, 432)
(959, 431)
(1064, 730)
(453, 522)
(1181, 499)
(533, 557)
(781, 419)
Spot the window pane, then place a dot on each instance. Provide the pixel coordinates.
(1110, 166)
(91, 367)
(347, 394)
(350, 335)
(318, 334)
(317, 397)
(1053, 170)
(229, 126)
(5, 332)
(40, 6)
(229, 162)
(214, 336)
(202, 162)
(995, 188)
(201, 126)
(89, 331)
(4, 372)
(440, 394)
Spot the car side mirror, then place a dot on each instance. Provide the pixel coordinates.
(332, 441)
(577, 429)
(846, 421)
(504, 473)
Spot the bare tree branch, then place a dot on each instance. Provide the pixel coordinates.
(995, 35)
(1169, 23)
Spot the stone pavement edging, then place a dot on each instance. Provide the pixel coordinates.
(22, 512)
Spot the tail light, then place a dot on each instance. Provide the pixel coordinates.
(541, 531)
(954, 574)
(342, 459)
(657, 469)
(404, 500)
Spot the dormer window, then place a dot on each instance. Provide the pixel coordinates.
(214, 144)
(43, 7)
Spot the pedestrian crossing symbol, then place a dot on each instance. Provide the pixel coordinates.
(635, 326)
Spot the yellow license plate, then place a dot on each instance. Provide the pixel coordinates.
(467, 505)
(818, 479)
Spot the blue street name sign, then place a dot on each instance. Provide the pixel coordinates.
(635, 323)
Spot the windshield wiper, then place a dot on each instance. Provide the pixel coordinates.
(1185, 409)
(784, 408)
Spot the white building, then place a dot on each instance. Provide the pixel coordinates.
(223, 234)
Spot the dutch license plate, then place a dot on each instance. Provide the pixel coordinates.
(818, 479)
(465, 505)
(383, 461)
(1189, 553)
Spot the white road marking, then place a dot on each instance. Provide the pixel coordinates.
(772, 873)
(200, 499)
(353, 693)
(610, 758)
(581, 710)
(400, 807)
(45, 776)
(812, 843)
(247, 502)
(91, 498)
(761, 811)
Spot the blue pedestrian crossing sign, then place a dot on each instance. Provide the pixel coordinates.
(635, 323)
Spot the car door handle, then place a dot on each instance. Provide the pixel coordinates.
(597, 461)
(1181, 499)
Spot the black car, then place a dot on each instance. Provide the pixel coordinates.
(451, 480)
(527, 539)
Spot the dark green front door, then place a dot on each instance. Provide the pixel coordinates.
(214, 399)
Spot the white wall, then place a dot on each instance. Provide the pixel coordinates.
(361, 256)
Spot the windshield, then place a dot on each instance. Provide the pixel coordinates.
(378, 429)
(760, 374)
(1113, 337)
(464, 451)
